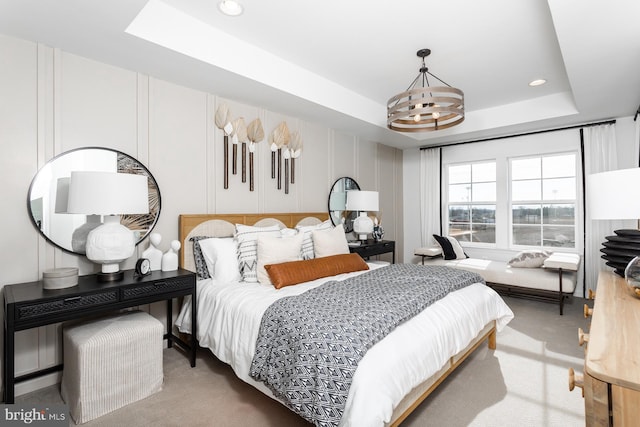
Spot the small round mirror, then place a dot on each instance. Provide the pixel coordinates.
(338, 202)
(47, 197)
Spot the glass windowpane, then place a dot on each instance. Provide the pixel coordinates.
(459, 174)
(559, 237)
(526, 214)
(559, 166)
(526, 190)
(525, 168)
(483, 233)
(483, 172)
(484, 192)
(559, 214)
(527, 235)
(460, 231)
(459, 193)
(483, 214)
(459, 214)
(559, 189)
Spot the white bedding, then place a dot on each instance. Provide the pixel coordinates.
(229, 316)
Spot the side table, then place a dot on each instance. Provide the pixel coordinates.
(370, 248)
(29, 305)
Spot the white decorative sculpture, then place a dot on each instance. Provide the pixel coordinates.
(152, 253)
(170, 258)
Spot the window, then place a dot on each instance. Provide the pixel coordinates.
(543, 201)
(472, 202)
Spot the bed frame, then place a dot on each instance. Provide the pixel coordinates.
(223, 225)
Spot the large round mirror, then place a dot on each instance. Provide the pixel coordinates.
(47, 198)
(338, 201)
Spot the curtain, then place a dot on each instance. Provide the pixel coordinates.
(600, 155)
(429, 195)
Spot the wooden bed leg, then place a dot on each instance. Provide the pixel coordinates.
(492, 340)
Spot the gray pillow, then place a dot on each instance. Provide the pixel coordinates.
(530, 259)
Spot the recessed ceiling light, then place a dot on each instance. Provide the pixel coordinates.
(537, 82)
(230, 7)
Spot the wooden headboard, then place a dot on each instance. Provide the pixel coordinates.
(223, 225)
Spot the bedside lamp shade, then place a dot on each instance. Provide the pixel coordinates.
(362, 201)
(108, 194)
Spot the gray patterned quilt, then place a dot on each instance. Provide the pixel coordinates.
(309, 345)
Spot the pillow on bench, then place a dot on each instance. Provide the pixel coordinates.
(529, 259)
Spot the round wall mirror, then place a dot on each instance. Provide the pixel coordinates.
(338, 202)
(47, 198)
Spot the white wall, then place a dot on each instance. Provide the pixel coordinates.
(52, 101)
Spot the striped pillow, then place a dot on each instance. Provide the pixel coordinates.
(307, 242)
(247, 240)
(451, 249)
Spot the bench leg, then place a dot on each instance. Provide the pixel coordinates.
(560, 290)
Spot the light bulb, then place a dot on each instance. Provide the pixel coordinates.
(416, 118)
(435, 115)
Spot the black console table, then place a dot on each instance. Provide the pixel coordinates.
(368, 248)
(29, 305)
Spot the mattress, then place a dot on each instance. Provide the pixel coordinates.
(229, 316)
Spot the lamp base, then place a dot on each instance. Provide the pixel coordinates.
(620, 249)
(115, 276)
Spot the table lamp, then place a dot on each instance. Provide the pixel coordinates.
(615, 195)
(362, 202)
(108, 194)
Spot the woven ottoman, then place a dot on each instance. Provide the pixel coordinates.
(111, 362)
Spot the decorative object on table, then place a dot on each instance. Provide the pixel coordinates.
(109, 194)
(295, 149)
(143, 267)
(279, 138)
(632, 276)
(223, 122)
(240, 135)
(378, 231)
(363, 202)
(255, 133)
(153, 253)
(425, 108)
(170, 258)
(60, 278)
(616, 195)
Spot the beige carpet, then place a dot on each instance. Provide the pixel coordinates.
(522, 383)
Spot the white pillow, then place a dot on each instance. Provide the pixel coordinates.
(221, 258)
(274, 250)
(247, 240)
(307, 242)
(330, 242)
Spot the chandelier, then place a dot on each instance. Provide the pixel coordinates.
(423, 108)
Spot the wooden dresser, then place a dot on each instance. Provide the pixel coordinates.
(611, 381)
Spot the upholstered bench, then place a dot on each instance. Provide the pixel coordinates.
(110, 362)
(554, 281)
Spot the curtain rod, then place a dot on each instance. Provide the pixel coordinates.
(607, 122)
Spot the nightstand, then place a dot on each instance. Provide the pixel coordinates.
(29, 305)
(370, 248)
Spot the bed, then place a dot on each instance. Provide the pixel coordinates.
(392, 378)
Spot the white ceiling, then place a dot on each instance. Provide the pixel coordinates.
(337, 62)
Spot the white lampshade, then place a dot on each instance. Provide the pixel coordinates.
(109, 194)
(614, 194)
(362, 200)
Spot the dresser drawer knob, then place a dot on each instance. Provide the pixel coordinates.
(587, 311)
(576, 380)
(582, 337)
